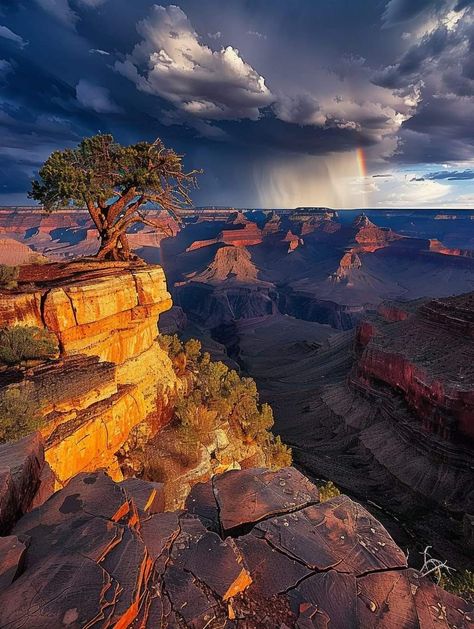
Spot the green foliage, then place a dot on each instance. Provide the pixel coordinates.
(171, 345)
(327, 491)
(114, 182)
(220, 396)
(8, 276)
(192, 349)
(460, 582)
(21, 343)
(19, 415)
(99, 168)
(278, 454)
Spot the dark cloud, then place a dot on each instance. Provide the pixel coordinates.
(234, 83)
(397, 11)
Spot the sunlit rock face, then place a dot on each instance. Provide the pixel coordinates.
(253, 548)
(111, 373)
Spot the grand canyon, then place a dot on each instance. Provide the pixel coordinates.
(236, 314)
(359, 336)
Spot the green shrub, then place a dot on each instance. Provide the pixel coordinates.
(171, 344)
(22, 343)
(279, 455)
(220, 396)
(192, 349)
(19, 415)
(327, 491)
(8, 276)
(460, 582)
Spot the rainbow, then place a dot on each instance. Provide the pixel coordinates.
(360, 157)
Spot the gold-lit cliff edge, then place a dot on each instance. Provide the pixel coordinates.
(114, 386)
(111, 373)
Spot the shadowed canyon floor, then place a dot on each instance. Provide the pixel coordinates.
(348, 416)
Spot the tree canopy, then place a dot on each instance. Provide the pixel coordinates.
(116, 183)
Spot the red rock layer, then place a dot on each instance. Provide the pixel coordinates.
(249, 234)
(427, 358)
(438, 247)
(253, 549)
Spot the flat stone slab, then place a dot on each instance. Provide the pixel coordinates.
(262, 494)
(12, 554)
(96, 555)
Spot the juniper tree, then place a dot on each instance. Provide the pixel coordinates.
(116, 183)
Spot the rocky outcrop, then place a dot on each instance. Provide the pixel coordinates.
(230, 265)
(252, 549)
(293, 241)
(248, 234)
(438, 247)
(349, 261)
(13, 253)
(369, 237)
(427, 358)
(21, 467)
(111, 374)
(305, 305)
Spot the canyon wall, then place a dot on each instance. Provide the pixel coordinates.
(426, 356)
(111, 373)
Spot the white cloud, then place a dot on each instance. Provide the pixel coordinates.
(404, 190)
(95, 97)
(99, 51)
(172, 62)
(6, 33)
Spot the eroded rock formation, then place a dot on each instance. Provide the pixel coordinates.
(111, 373)
(427, 357)
(252, 549)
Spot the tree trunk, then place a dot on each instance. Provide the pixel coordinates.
(113, 246)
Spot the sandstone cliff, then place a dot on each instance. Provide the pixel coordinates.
(111, 374)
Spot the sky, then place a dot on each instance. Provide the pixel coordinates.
(283, 103)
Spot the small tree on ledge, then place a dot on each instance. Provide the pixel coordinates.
(114, 182)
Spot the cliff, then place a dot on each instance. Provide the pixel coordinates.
(427, 357)
(358, 409)
(111, 373)
(105, 401)
(252, 549)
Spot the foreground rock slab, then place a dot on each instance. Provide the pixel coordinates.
(252, 549)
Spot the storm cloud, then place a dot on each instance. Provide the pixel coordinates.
(228, 83)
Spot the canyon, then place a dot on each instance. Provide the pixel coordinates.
(385, 411)
(360, 337)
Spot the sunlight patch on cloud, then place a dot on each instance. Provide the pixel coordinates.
(172, 62)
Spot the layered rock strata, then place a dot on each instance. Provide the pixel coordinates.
(252, 549)
(111, 373)
(427, 357)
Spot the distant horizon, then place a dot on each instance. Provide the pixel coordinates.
(267, 208)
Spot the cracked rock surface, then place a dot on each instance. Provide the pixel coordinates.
(252, 548)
